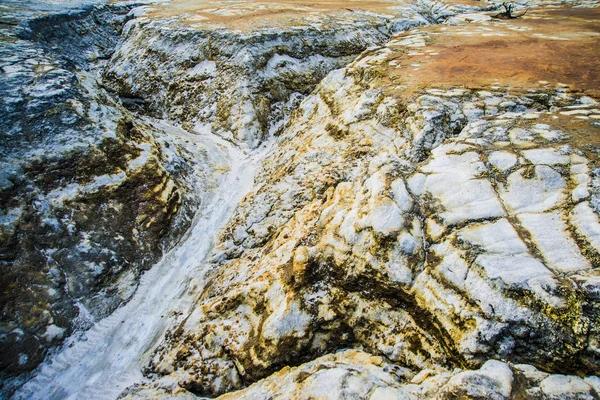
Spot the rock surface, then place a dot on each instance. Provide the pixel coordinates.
(93, 190)
(90, 193)
(240, 68)
(438, 225)
(426, 226)
(354, 374)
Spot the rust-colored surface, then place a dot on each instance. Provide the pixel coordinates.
(247, 15)
(584, 136)
(542, 50)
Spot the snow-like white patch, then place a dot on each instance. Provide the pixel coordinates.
(53, 332)
(285, 321)
(416, 183)
(142, 158)
(73, 190)
(137, 12)
(580, 176)
(540, 193)
(586, 223)
(546, 156)
(453, 182)
(23, 358)
(497, 237)
(563, 386)
(453, 267)
(204, 68)
(463, 201)
(396, 267)
(547, 132)
(385, 217)
(502, 160)
(551, 236)
(493, 377)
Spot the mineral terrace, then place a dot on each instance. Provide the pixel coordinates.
(277, 199)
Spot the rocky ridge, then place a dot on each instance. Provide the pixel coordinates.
(437, 226)
(240, 68)
(356, 374)
(90, 193)
(94, 190)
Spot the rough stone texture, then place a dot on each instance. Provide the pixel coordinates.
(89, 193)
(437, 226)
(92, 192)
(428, 225)
(354, 374)
(242, 67)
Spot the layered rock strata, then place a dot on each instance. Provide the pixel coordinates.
(352, 374)
(90, 193)
(434, 220)
(92, 190)
(427, 225)
(241, 68)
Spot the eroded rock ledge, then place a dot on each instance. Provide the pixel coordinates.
(352, 374)
(93, 189)
(90, 193)
(428, 224)
(240, 68)
(433, 225)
